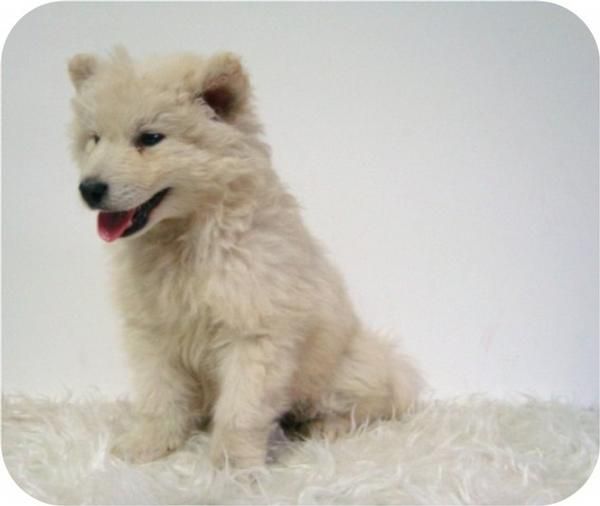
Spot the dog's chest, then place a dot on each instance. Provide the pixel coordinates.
(167, 292)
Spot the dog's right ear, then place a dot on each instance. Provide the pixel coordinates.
(81, 68)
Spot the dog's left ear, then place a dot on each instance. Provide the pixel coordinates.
(226, 87)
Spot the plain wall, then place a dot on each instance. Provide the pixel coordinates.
(445, 154)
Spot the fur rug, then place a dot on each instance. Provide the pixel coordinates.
(469, 450)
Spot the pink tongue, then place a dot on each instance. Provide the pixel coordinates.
(112, 225)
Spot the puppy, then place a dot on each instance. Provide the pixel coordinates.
(233, 316)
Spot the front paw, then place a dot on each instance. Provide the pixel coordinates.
(237, 450)
(147, 441)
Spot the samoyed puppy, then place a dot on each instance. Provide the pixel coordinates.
(234, 319)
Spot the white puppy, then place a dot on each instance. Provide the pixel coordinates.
(233, 315)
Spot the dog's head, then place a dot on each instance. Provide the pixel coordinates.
(159, 139)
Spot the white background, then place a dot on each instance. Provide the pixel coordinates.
(446, 155)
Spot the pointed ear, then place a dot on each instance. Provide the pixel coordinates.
(81, 68)
(226, 88)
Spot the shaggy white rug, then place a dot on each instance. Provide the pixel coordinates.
(470, 450)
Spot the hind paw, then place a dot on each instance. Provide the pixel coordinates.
(330, 427)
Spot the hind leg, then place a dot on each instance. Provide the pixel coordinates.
(372, 382)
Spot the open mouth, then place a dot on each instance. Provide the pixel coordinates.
(113, 225)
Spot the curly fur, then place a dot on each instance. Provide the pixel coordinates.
(470, 450)
(233, 315)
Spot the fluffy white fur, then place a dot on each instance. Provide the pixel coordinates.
(233, 315)
(462, 451)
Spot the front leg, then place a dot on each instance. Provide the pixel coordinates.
(254, 380)
(164, 403)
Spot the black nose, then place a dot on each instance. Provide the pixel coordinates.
(93, 191)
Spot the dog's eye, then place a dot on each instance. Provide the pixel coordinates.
(148, 139)
(96, 138)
